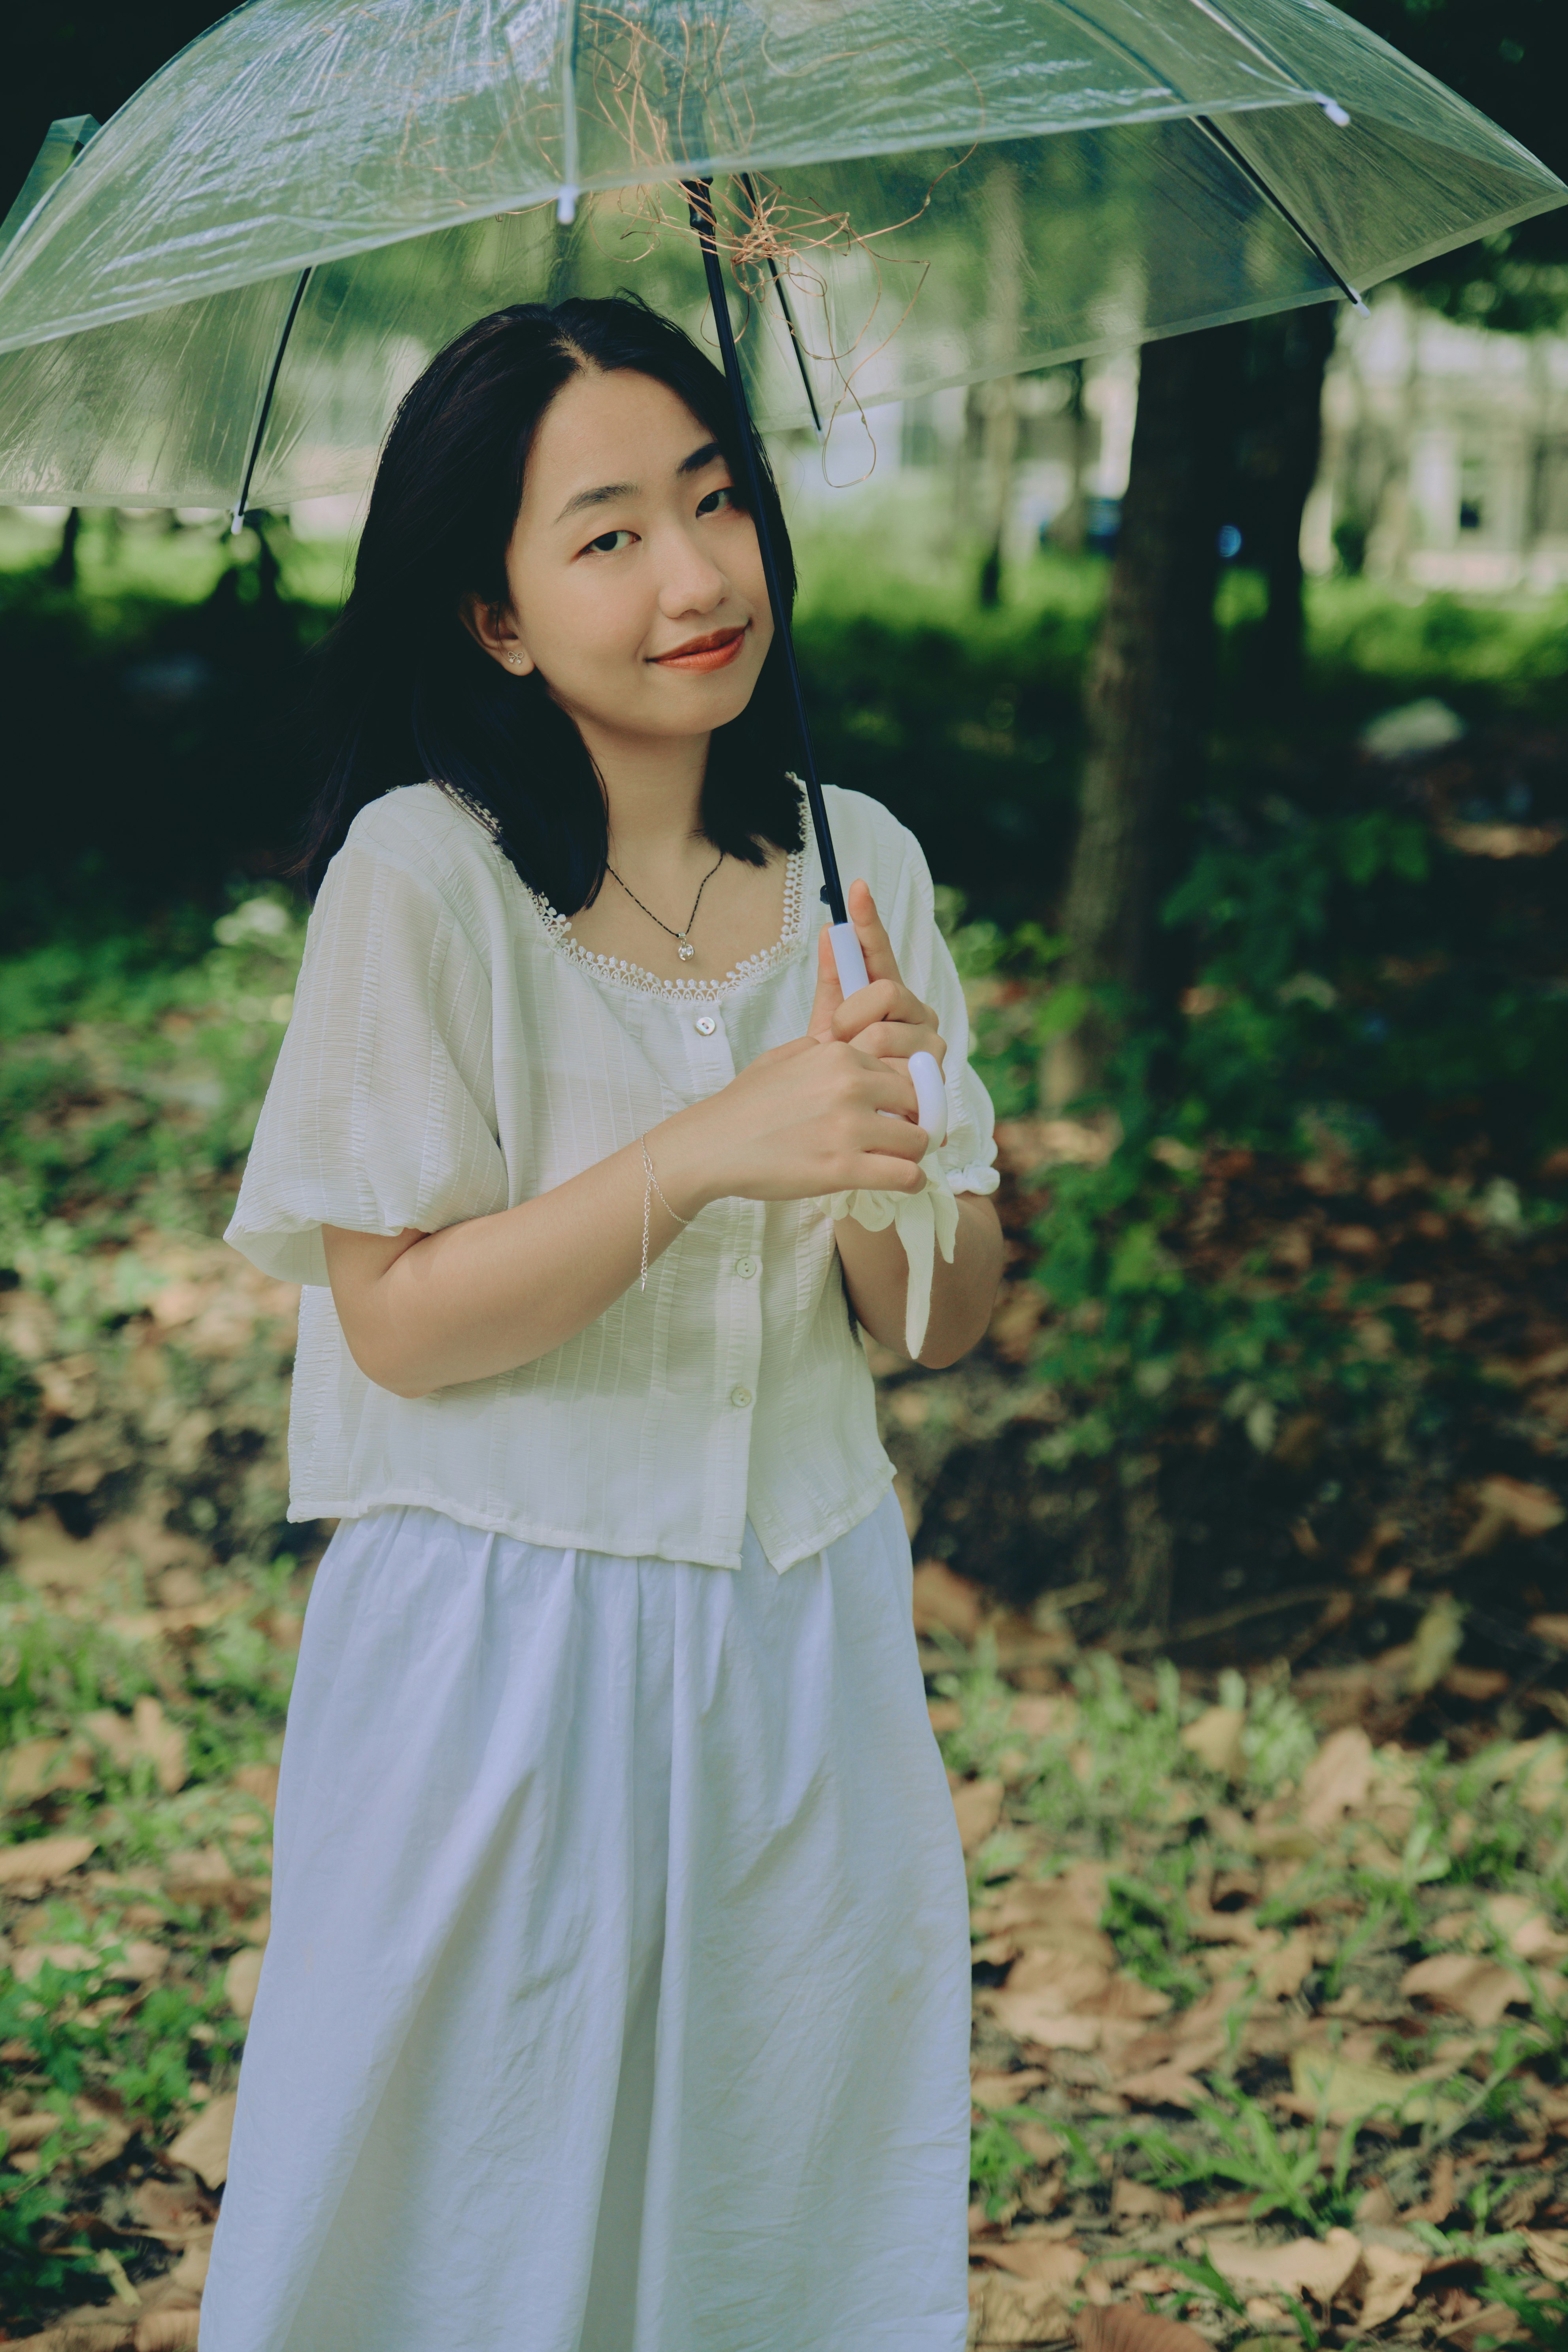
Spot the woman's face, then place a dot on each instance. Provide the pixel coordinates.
(637, 588)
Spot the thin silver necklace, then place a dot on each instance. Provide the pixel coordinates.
(683, 943)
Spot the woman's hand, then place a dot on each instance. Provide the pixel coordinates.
(807, 1119)
(885, 1018)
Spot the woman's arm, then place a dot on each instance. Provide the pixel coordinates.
(422, 1311)
(876, 1275)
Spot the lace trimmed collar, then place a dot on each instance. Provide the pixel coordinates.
(617, 971)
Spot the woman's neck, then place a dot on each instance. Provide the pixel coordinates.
(653, 792)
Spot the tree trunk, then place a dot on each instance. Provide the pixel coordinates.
(1150, 686)
(1289, 450)
(62, 571)
(1003, 274)
(1069, 528)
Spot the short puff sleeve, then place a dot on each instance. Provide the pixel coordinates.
(381, 1112)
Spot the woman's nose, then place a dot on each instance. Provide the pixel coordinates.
(692, 581)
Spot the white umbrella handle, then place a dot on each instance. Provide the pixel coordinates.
(925, 1070)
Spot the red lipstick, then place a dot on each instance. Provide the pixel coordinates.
(715, 651)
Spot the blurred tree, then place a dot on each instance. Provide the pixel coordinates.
(1150, 679)
(1157, 636)
(87, 57)
(1507, 58)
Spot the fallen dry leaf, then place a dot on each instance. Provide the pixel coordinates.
(1132, 2201)
(1214, 1739)
(978, 1805)
(1014, 2310)
(1524, 1928)
(170, 2210)
(1540, 1767)
(1123, 2327)
(1441, 2197)
(173, 2328)
(261, 1780)
(241, 1979)
(1048, 1719)
(203, 2143)
(1307, 2265)
(113, 2132)
(92, 2328)
(1041, 2144)
(36, 1766)
(203, 1875)
(1049, 2262)
(1337, 1779)
(29, 1962)
(1549, 2253)
(163, 1741)
(1510, 1506)
(1169, 2086)
(1475, 1989)
(991, 2089)
(41, 1861)
(1388, 2276)
(148, 1732)
(1283, 1971)
(1343, 2089)
(945, 1602)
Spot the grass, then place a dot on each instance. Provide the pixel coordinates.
(1437, 1855)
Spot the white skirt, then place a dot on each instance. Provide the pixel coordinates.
(618, 1994)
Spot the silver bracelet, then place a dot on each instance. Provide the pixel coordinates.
(650, 1186)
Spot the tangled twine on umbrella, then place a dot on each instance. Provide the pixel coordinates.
(644, 89)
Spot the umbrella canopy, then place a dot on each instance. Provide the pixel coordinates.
(229, 290)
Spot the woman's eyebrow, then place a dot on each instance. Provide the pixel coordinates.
(607, 491)
(599, 497)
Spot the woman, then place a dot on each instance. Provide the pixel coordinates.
(616, 1999)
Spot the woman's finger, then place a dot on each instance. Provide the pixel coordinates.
(888, 1175)
(828, 1001)
(877, 948)
(897, 1134)
(896, 1040)
(889, 1087)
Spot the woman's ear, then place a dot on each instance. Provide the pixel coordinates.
(494, 630)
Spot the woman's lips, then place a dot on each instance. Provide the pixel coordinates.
(713, 652)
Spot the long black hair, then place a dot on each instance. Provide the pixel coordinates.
(405, 695)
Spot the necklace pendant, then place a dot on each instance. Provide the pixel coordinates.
(687, 951)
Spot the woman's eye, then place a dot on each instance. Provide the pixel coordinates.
(717, 501)
(606, 543)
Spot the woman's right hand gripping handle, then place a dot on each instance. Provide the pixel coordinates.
(801, 1121)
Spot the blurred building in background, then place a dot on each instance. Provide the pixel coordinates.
(1444, 459)
(1444, 454)
(1443, 466)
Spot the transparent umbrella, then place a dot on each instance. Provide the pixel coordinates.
(222, 299)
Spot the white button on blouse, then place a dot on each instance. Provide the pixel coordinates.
(455, 1050)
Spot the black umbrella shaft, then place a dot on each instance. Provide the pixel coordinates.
(700, 202)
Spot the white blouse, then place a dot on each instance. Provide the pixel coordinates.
(454, 1049)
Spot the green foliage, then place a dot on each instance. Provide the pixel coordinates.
(1123, 1760)
(1543, 2320)
(1238, 2141)
(132, 1080)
